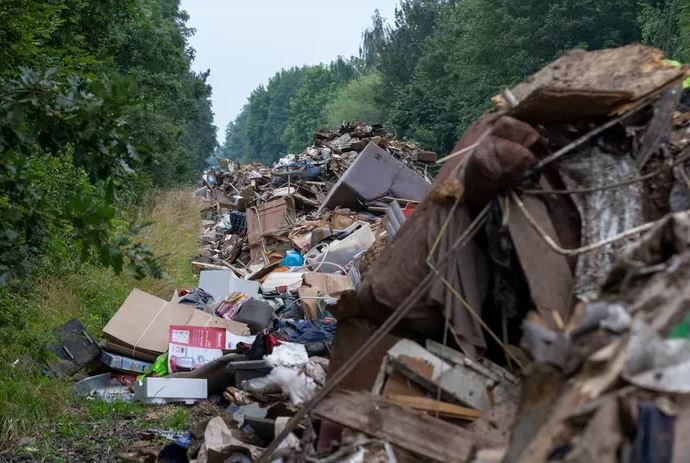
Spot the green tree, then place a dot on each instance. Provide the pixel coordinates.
(39, 119)
(119, 78)
(235, 146)
(306, 113)
(415, 21)
(665, 24)
(359, 100)
(373, 41)
(483, 46)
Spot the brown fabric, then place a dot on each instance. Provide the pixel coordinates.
(404, 263)
(500, 159)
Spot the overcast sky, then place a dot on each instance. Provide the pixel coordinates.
(244, 42)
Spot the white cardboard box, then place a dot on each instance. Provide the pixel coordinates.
(166, 390)
(220, 283)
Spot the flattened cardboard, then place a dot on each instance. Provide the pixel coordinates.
(548, 273)
(139, 328)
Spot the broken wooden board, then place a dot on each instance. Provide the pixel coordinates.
(583, 84)
(418, 433)
(271, 219)
(455, 384)
(425, 404)
(548, 274)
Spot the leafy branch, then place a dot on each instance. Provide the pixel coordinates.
(40, 115)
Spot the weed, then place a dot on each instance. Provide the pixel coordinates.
(30, 403)
(177, 421)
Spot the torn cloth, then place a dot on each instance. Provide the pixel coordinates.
(401, 267)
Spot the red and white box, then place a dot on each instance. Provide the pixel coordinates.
(190, 347)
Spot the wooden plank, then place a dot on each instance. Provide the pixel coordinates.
(548, 274)
(395, 365)
(416, 432)
(426, 404)
(203, 265)
(396, 383)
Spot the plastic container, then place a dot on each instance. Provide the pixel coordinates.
(292, 259)
(341, 252)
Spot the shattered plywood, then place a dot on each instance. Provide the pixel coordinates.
(583, 84)
(416, 432)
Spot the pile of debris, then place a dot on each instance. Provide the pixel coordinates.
(279, 247)
(346, 180)
(529, 306)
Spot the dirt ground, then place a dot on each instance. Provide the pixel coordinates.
(110, 433)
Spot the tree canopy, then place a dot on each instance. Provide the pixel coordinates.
(432, 72)
(97, 102)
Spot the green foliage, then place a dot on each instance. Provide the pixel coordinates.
(82, 84)
(482, 46)
(306, 107)
(432, 72)
(415, 21)
(359, 100)
(665, 24)
(235, 145)
(40, 115)
(283, 115)
(373, 40)
(64, 288)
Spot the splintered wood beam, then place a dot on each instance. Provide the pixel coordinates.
(411, 430)
(444, 409)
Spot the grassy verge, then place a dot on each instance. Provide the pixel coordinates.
(37, 412)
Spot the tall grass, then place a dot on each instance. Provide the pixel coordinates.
(30, 403)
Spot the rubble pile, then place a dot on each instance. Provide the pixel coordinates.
(530, 305)
(298, 189)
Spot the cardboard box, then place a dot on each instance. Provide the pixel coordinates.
(272, 218)
(238, 202)
(220, 283)
(282, 280)
(122, 363)
(333, 285)
(140, 327)
(165, 390)
(315, 286)
(191, 347)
